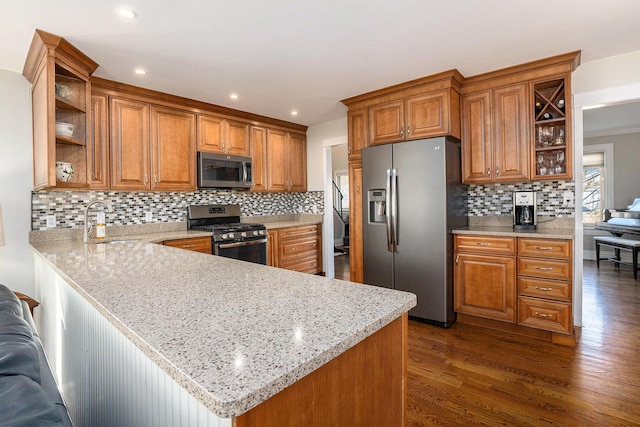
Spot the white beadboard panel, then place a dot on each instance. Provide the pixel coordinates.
(104, 378)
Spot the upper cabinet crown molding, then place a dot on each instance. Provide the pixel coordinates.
(547, 67)
(111, 87)
(47, 44)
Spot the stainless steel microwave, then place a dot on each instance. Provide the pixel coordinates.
(224, 171)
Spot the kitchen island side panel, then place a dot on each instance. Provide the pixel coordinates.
(104, 378)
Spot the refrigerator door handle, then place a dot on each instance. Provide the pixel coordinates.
(388, 212)
(394, 208)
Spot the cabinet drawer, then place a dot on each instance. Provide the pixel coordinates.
(197, 244)
(297, 249)
(310, 265)
(310, 231)
(544, 268)
(544, 288)
(484, 244)
(545, 248)
(543, 314)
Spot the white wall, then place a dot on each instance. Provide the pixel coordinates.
(316, 135)
(16, 182)
(605, 81)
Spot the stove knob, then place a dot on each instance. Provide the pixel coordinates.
(243, 234)
(261, 232)
(224, 236)
(255, 233)
(231, 236)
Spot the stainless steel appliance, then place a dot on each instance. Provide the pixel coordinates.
(230, 238)
(524, 210)
(224, 171)
(413, 197)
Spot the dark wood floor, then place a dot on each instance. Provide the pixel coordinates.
(468, 375)
(341, 267)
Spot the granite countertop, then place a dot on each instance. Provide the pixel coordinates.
(232, 333)
(282, 221)
(502, 225)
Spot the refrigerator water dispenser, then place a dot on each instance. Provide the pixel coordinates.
(377, 206)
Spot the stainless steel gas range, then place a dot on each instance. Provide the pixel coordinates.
(230, 238)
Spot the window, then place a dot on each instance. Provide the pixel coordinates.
(342, 182)
(597, 182)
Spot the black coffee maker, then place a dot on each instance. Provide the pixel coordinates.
(524, 210)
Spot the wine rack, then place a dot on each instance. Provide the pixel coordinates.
(551, 154)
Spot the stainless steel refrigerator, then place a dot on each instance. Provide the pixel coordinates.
(413, 198)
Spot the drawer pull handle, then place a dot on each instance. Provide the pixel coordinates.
(188, 246)
(544, 289)
(544, 248)
(482, 244)
(544, 268)
(543, 315)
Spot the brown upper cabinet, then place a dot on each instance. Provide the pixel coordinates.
(422, 108)
(152, 140)
(506, 136)
(98, 144)
(286, 161)
(551, 148)
(259, 158)
(416, 117)
(221, 135)
(495, 144)
(357, 137)
(60, 92)
(152, 147)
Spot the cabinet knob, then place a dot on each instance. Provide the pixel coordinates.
(544, 289)
(401, 132)
(408, 131)
(146, 179)
(497, 171)
(489, 172)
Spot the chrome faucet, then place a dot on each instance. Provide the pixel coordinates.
(87, 223)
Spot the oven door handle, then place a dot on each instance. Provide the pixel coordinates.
(238, 244)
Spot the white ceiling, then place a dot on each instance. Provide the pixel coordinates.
(280, 55)
(612, 120)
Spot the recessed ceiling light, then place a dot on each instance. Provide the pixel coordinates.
(127, 13)
(140, 71)
(294, 112)
(233, 96)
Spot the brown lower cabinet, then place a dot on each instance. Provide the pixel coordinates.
(517, 280)
(196, 244)
(296, 248)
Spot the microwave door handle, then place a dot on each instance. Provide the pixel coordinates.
(239, 244)
(387, 214)
(244, 171)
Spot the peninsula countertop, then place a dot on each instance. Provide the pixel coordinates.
(232, 333)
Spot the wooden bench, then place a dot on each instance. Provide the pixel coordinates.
(618, 244)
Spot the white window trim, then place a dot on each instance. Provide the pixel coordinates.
(607, 149)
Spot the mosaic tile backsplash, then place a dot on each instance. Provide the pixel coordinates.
(131, 207)
(497, 199)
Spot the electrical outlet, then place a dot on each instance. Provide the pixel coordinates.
(148, 216)
(51, 221)
(568, 198)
